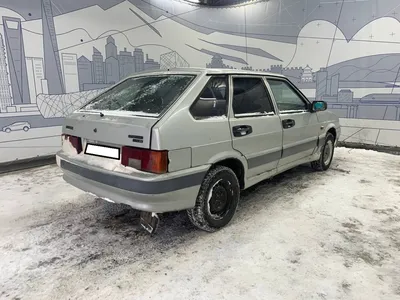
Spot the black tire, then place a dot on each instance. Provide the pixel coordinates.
(8, 130)
(217, 200)
(26, 128)
(324, 162)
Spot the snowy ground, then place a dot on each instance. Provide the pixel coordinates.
(302, 235)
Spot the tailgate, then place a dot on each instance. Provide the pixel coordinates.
(106, 128)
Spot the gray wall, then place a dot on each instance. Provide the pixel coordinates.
(56, 55)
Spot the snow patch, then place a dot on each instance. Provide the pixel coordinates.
(216, 118)
(342, 235)
(107, 199)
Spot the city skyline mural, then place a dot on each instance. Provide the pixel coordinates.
(56, 55)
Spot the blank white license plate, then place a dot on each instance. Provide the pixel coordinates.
(102, 151)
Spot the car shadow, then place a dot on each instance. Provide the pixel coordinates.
(295, 178)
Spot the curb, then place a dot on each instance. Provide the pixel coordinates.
(379, 148)
(29, 163)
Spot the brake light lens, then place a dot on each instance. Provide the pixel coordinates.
(75, 141)
(145, 160)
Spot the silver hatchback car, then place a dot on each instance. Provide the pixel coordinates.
(192, 139)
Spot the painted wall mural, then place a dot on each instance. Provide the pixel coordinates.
(55, 55)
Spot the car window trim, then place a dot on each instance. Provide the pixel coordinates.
(295, 90)
(211, 76)
(251, 115)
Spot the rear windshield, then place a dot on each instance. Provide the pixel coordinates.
(147, 95)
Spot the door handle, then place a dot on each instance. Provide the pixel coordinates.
(242, 130)
(288, 123)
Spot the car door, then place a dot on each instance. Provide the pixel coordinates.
(300, 125)
(255, 127)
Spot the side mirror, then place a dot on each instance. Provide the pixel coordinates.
(319, 106)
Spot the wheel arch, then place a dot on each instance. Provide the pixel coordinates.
(331, 128)
(236, 163)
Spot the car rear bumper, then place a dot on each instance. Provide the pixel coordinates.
(153, 193)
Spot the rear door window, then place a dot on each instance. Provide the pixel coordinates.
(250, 97)
(213, 100)
(146, 95)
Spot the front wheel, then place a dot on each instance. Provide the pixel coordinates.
(325, 159)
(217, 200)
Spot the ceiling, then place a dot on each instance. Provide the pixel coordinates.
(221, 2)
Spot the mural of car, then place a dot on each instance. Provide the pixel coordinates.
(17, 126)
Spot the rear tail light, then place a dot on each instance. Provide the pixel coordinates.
(75, 141)
(145, 160)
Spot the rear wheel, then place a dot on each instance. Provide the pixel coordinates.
(325, 160)
(26, 128)
(217, 200)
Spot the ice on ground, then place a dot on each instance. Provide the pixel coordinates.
(302, 235)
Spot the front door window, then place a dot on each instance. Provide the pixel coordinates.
(286, 98)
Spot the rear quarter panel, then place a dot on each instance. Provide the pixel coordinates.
(209, 140)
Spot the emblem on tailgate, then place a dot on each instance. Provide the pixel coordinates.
(95, 130)
(136, 138)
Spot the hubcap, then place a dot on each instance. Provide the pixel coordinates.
(327, 155)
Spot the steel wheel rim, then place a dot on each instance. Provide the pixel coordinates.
(327, 155)
(219, 202)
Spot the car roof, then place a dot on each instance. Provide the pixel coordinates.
(208, 71)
